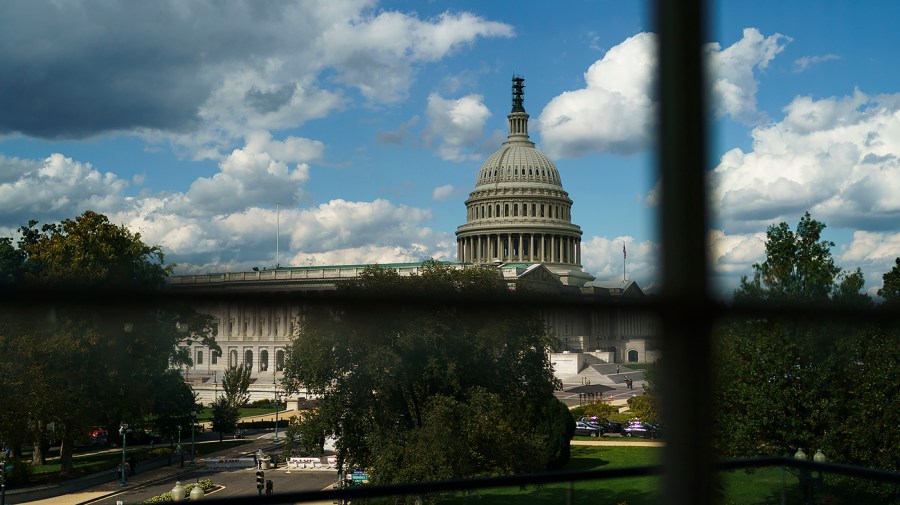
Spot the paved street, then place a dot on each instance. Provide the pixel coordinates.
(235, 482)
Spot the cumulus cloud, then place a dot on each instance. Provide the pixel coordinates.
(443, 192)
(615, 111)
(733, 83)
(53, 189)
(203, 74)
(602, 257)
(836, 157)
(336, 232)
(375, 53)
(259, 174)
(455, 126)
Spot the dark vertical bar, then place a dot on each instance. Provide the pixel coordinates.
(682, 162)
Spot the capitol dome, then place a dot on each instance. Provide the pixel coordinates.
(519, 211)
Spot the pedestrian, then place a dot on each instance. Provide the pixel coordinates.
(133, 465)
(617, 369)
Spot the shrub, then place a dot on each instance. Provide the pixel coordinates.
(206, 484)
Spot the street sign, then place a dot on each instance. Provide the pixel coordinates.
(359, 477)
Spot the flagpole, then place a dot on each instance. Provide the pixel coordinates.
(624, 257)
(277, 232)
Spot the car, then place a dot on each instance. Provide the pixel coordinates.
(99, 433)
(643, 429)
(607, 425)
(587, 429)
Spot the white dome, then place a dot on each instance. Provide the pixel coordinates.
(518, 163)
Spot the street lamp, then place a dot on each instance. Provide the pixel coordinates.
(179, 449)
(275, 439)
(806, 479)
(123, 428)
(193, 417)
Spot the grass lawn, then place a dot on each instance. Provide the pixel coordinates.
(632, 490)
(757, 487)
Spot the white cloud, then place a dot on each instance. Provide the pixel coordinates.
(733, 83)
(802, 64)
(455, 126)
(248, 177)
(837, 157)
(54, 188)
(376, 53)
(442, 192)
(602, 257)
(615, 111)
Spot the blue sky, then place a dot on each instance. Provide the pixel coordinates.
(367, 123)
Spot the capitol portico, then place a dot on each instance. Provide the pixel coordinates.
(518, 221)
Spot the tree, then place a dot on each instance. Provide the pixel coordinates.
(456, 382)
(236, 385)
(225, 416)
(890, 290)
(788, 383)
(798, 265)
(80, 317)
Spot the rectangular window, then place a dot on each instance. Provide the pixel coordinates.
(214, 357)
(199, 357)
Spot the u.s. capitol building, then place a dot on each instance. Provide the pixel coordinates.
(518, 221)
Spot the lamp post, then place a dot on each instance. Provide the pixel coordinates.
(179, 449)
(193, 417)
(123, 428)
(275, 439)
(806, 479)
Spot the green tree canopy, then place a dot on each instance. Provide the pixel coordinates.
(459, 367)
(236, 385)
(92, 354)
(798, 265)
(812, 383)
(890, 290)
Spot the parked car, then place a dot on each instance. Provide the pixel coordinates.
(643, 429)
(99, 433)
(583, 429)
(607, 425)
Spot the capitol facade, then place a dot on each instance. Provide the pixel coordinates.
(518, 221)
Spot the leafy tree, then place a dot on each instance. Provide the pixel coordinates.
(71, 325)
(813, 383)
(225, 416)
(645, 407)
(456, 382)
(798, 265)
(236, 385)
(890, 290)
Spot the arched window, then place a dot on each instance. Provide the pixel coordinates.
(232, 359)
(525, 209)
(490, 209)
(533, 208)
(279, 360)
(248, 358)
(632, 356)
(506, 210)
(214, 357)
(515, 209)
(542, 210)
(263, 360)
(498, 210)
